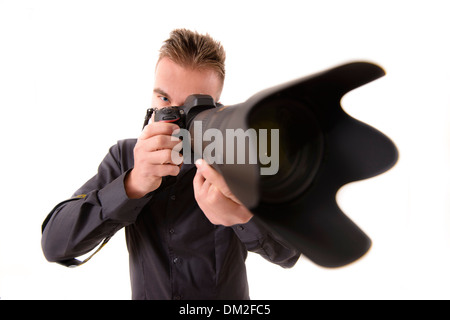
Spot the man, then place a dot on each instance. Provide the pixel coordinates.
(187, 235)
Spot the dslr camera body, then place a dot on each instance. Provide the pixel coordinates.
(183, 115)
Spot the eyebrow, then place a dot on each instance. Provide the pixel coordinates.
(162, 92)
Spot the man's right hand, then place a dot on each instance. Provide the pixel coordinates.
(153, 159)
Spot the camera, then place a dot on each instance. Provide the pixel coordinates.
(320, 149)
(171, 114)
(182, 115)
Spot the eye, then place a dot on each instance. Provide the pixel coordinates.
(164, 99)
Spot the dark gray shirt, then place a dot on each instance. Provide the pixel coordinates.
(174, 251)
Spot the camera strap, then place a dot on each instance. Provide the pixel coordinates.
(148, 117)
(71, 263)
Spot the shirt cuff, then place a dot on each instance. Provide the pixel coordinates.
(115, 203)
(251, 231)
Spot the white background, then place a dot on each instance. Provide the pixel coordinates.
(76, 76)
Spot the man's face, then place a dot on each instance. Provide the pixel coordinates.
(174, 83)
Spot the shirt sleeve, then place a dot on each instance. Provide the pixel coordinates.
(259, 239)
(97, 211)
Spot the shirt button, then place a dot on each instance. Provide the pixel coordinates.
(173, 197)
(176, 260)
(177, 297)
(240, 228)
(171, 231)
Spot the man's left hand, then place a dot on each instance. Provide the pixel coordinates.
(216, 200)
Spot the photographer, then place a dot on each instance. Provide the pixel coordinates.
(187, 235)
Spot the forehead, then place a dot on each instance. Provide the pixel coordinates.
(180, 82)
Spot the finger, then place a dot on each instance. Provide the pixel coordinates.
(215, 179)
(198, 182)
(165, 170)
(161, 142)
(212, 176)
(178, 144)
(204, 187)
(164, 156)
(177, 158)
(157, 128)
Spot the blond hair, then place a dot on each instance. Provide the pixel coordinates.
(191, 49)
